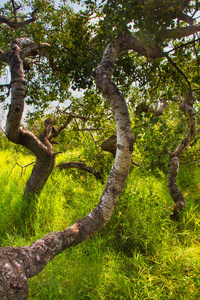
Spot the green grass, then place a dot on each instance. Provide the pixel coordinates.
(140, 254)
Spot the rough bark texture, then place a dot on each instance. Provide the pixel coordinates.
(161, 109)
(175, 193)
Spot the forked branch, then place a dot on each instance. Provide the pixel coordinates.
(15, 24)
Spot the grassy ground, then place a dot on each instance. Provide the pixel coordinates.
(140, 254)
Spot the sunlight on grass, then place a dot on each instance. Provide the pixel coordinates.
(140, 254)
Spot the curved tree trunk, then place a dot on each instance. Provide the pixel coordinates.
(175, 193)
(40, 147)
(17, 264)
(20, 263)
(43, 150)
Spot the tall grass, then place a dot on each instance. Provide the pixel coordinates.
(140, 254)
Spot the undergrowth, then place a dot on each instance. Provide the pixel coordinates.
(140, 254)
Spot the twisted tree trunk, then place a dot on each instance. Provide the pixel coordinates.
(17, 264)
(42, 148)
(175, 193)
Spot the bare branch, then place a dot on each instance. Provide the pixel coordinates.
(95, 142)
(15, 24)
(56, 131)
(90, 129)
(22, 42)
(110, 144)
(179, 70)
(22, 167)
(15, 10)
(79, 117)
(45, 136)
(183, 45)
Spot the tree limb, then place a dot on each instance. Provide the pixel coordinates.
(32, 49)
(82, 166)
(183, 45)
(15, 24)
(187, 19)
(22, 167)
(180, 32)
(56, 131)
(179, 70)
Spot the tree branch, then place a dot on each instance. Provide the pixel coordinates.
(82, 166)
(179, 70)
(32, 49)
(56, 131)
(15, 24)
(89, 129)
(22, 167)
(187, 19)
(180, 32)
(183, 45)
(17, 264)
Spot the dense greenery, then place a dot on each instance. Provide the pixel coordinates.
(70, 61)
(140, 254)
